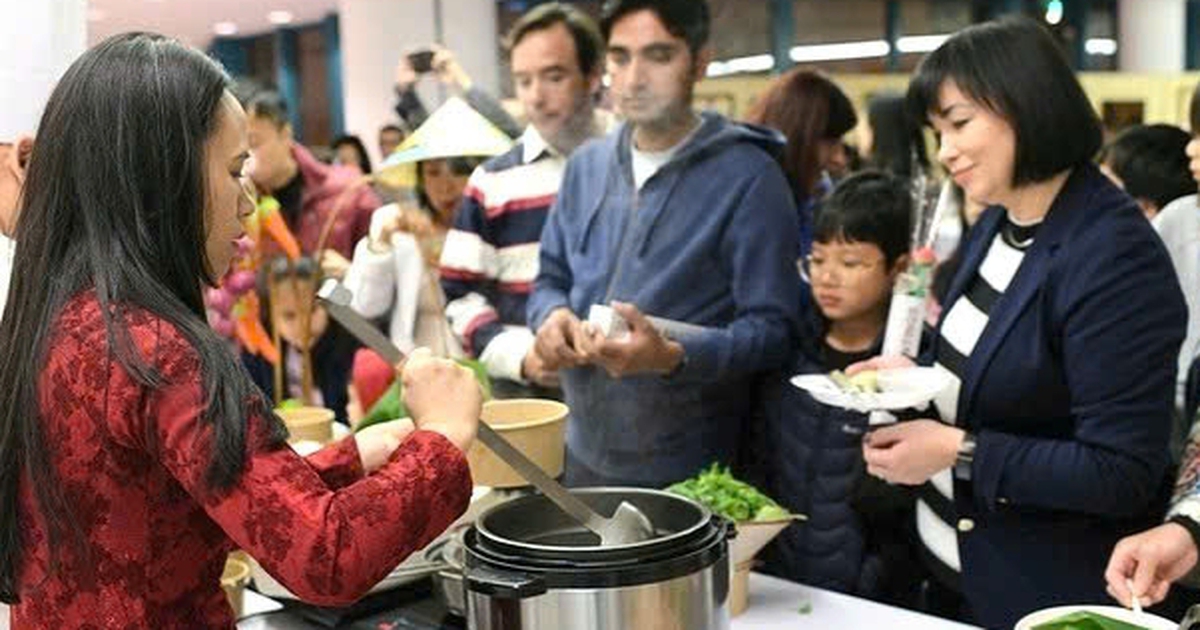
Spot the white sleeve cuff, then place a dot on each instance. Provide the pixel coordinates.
(1189, 506)
(372, 280)
(506, 352)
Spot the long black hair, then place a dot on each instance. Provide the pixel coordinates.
(114, 201)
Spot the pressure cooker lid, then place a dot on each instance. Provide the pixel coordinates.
(534, 525)
(533, 536)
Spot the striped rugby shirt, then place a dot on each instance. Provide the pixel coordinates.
(961, 329)
(490, 258)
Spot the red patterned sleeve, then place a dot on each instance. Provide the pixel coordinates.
(338, 464)
(327, 546)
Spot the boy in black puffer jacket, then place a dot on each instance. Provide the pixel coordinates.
(858, 536)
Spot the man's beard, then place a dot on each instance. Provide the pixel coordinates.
(578, 128)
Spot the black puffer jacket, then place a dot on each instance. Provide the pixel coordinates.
(809, 458)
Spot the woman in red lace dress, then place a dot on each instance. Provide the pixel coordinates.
(134, 451)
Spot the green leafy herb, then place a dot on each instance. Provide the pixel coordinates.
(1086, 620)
(738, 501)
(806, 608)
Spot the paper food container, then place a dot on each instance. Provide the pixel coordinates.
(751, 537)
(313, 424)
(537, 428)
(234, 580)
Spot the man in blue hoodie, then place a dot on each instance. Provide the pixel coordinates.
(679, 215)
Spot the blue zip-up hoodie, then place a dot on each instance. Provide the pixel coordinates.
(710, 239)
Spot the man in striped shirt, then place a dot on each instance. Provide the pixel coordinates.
(490, 258)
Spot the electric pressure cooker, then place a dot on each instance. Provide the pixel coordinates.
(530, 567)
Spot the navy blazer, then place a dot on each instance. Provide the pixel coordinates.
(1070, 391)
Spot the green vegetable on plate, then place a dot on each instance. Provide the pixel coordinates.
(738, 501)
(1086, 620)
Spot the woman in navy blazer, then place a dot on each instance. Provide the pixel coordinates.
(1058, 445)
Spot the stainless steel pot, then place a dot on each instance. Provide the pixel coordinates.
(448, 581)
(530, 567)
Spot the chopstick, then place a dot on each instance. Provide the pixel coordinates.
(1137, 604)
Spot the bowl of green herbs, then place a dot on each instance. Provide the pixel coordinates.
(1093, 618)
(757, 517)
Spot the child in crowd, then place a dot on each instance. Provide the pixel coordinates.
(316, 353)
(858, 537)
(1151, 164)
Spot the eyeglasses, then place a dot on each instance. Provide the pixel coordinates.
(838, 268)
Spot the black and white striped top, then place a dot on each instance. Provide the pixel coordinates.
(964, 323)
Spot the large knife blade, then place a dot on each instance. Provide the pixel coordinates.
(628, 524)
(336, 299)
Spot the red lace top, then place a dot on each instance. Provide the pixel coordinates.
(131, 462)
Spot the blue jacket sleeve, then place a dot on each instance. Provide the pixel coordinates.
(552, 288)
(760, 247)
(1122, 322)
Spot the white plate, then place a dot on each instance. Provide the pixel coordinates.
(1150, 622)
(903, 388)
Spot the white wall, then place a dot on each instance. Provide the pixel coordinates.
(38, 41)
(375, 33)
(1151, 35)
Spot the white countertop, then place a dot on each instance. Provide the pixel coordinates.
(775, 604)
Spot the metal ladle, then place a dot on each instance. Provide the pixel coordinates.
(627, 525)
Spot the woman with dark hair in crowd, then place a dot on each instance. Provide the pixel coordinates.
(349, 150)
(814, 114)
(892, 140)
(1058, 342)
(135, 452)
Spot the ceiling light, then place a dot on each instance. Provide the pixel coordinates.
(920, 43)
(1100, 46)
(280, 17)
(225, 29)
(1054, 11)
(844, 50)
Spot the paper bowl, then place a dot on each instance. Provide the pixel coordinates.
(535, 427)
(751, 537)
(739, 588)
(313, 424)
(234, 580)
